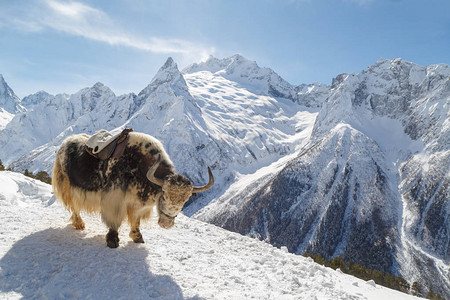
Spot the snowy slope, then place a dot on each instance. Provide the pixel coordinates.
(5, 118)
(405, 109)
(43, 257)
(331, 198)
(371, 184)
(261, 81)
(247, 73)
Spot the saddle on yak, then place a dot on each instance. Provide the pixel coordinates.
(104, 145)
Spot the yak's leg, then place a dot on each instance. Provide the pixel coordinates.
(77, 221)
(135, 233)
(112, 238)
(70, 197)
(113, 211)
(136, 212)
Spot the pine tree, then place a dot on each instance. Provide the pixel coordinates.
(378, 277)
(390, 281)
(402, 285)
(335, 263)
(433, 296)
(316, 257)
(2, 167)
(416, 289)
(28, 173)
(44, 177)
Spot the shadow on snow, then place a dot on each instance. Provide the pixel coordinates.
(62, 263)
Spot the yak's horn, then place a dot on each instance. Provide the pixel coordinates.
(198, 189)
(151, 173)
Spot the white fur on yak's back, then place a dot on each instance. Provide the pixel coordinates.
(136, 138)
(80, 138)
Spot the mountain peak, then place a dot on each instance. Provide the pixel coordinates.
(8, 100)
(239, 58)
(169, 64)
(167, 74)
(98, 85)
(97, 90)
(396, 63)
(382, 60)
(35, 98)
(237, 68)
(213, 64)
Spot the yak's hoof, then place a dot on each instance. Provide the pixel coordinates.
(79, 226)
(77, 222)
(136, 236)
(139, 240)
(112, 239)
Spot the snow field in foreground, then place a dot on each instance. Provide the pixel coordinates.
(41, 256)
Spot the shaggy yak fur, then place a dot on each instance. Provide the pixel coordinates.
(144, 176)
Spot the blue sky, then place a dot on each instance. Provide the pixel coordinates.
(63, 46)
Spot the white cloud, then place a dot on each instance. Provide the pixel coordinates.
(75, 18)
(73, 9)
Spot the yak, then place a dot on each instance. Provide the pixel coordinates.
(130, 185)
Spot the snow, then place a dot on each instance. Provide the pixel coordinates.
(43, 257)
(390, 136)
(246, 180)
(260, 80)
(403, 108)
(5, 118)
(245, 131)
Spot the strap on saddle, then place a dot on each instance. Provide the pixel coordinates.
(114, 149)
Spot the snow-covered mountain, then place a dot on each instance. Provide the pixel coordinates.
(34, 99)
(371, 186)
(42, 257)
(8, 100)
(359, 169)
(262, 81)
(9, 103)
(216, 122)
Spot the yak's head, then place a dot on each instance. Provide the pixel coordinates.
(176, 190)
